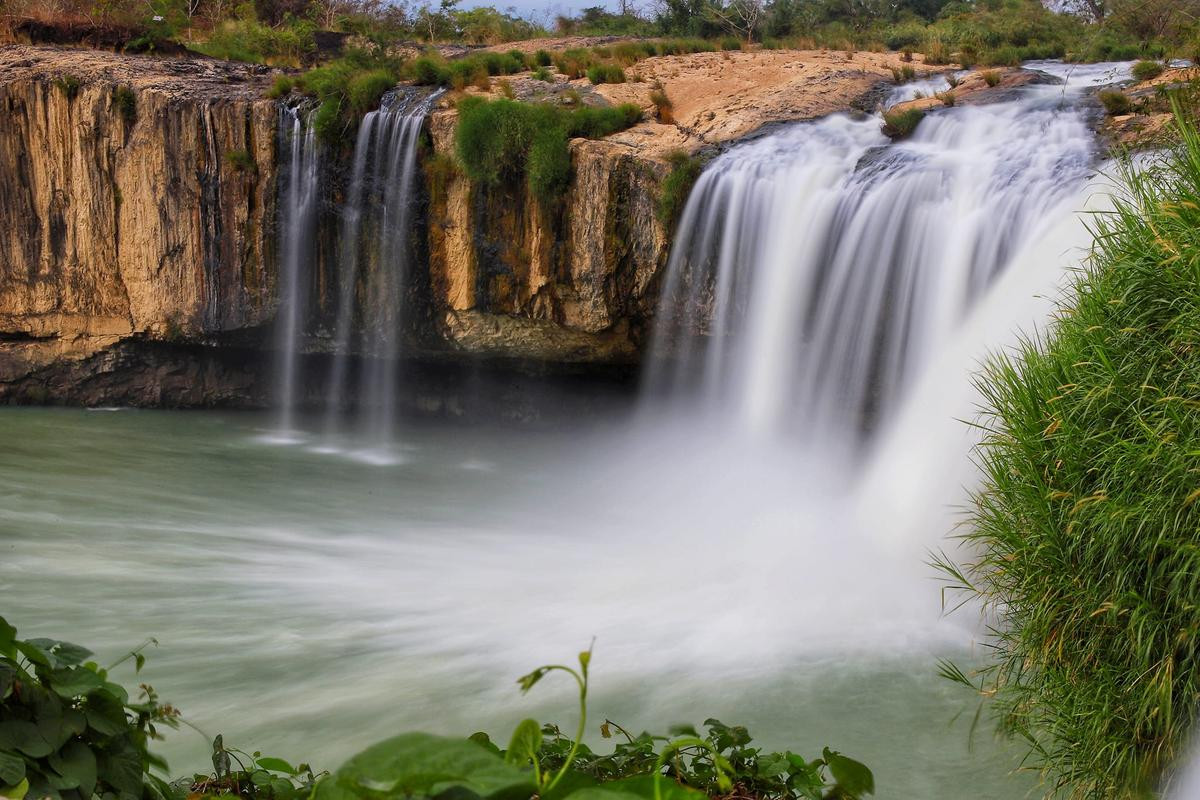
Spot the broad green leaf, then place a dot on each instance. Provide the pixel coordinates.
(854, 778)
(683, 730)
(74, 681)
(33, 739)
(8, 639)
(122, 768)
(105, 714)
(76, 764)
(65, 652)
(17, 792)
(276, 765)
(12, 768)
(36, 655)
(423, 765)
(643, 786)
(525, 743)
(483, 740)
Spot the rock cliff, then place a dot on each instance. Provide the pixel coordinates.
(140, 197)
(138, 194)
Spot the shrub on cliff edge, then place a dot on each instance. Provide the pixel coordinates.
(1085, 533)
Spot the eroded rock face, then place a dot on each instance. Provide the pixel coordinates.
(139, 195)
(141, 198)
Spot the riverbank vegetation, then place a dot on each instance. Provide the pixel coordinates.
(285, 32)
(1084, 530)
(68, 732)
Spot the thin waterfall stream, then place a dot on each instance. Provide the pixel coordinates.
(300, 191)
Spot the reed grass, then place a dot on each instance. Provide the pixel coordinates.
(1085, 534)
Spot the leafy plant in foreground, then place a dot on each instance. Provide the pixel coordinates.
(67, 732)
(541, 761)
(256, 777)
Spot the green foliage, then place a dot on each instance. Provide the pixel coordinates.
(541, 761)
(504, 140)
(731, 43)
(67, 731)
(282, 87)
(68, 84)
(676, 187)
(1083, 535)
(124, 102)
(543, 58)
(900, 124)
(1115, 102)
(249, 40)
(543, 74)
(1147, 70)
(256, 777)
(606, 73)
(347, 89)
(241, 161)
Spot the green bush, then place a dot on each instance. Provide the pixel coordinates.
(606, 73)
(348, 88)
(731, 43)
(504, 140)
(366, 89)
(676, 187)
(1115, 102)
(1147, 70)
(67, 731)
(249, 40)
(124, 102)
(900, 124)
(68, 84)
(541, 761)
(282, 87)
(543, 74)
(428, 71)
(542, 58)
(1084, 533)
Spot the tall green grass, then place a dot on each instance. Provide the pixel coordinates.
(1085, 534)
(504, 140)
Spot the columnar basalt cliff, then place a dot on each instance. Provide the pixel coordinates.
(140, 194)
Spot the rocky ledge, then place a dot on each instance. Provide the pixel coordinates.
(142, 193)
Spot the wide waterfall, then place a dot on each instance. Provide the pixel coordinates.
(299, 192)
(374, 259)
(816, 269)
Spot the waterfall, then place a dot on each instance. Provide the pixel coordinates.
(297, 224)
(816, 270)
(373, 261)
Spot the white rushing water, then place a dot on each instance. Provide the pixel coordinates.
(816, 271)
(374, 260)
(299, 190)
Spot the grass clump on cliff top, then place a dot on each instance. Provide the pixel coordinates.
(901, 123)
(1147, 70)
(676, 187)
(347, 89)
(504, 140)
(1085, 533)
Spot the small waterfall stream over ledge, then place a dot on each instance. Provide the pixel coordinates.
(777, 579)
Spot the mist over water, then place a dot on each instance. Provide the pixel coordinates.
(745, 546)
